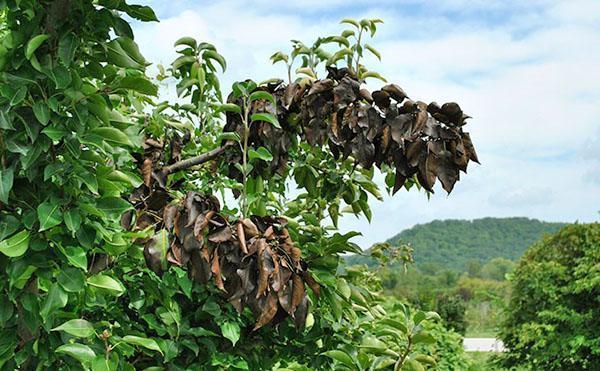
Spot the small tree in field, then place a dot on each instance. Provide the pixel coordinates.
(118, 249)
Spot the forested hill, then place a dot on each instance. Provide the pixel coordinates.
(452, 243)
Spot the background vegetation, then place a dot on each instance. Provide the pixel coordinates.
(552, 320)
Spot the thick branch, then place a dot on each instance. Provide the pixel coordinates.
(193, 161)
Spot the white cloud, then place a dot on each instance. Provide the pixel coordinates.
(526, 71)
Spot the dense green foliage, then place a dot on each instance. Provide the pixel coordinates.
(454, 243)
(553, 319)
(82, 137)
(471, 305)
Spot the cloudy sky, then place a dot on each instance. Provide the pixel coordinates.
(528, 72)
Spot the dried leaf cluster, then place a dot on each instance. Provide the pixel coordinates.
(252, 260)
(375, 128)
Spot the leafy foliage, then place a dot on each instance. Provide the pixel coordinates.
(552, 320)
(98, 177)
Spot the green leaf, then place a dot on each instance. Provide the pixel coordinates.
(372, 74)
(41, 112)
(61, 76)
(261, 94)
(100, 363)
(137, 83)
(66, 48)
(49, 215)
(113, 136)
(341, 357)
(344, 288)
(8, 225)
(76, 327)
(16, 245)
(71, 279)
(124, 52)
(72, 220)
(373, 50)
(18, 97)
(351, 21)
(422, 358)
(341, 40)
(307, 71)
(230, 107)
(113, 206)
(278, 57)
(105, 282)
(266, 117)
(423, 337)
(35, 43)
(143, 342)
(183, 60)
(55, 133)
(229, 136)
(89, 180)
(57, 298)
(412, 365)
(375, 346)
(261, 153)
(211, 54)
(80, 352)
(189, 41)
(141, 12)
(76, 256)
(6, 183)
(231, 330)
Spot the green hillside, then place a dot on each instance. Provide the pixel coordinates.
(452, 243)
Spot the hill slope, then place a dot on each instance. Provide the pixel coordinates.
(452, 243)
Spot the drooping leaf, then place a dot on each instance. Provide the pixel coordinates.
(261, 153)
(266, 117)
(35, 43)
(211, 54)
(189, 41)
(260, 94)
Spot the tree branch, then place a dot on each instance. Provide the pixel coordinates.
(193, 161)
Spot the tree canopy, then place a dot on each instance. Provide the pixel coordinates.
(552, 318)
(119, 251)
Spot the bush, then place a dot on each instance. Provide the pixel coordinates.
(452, 310)
(447, 349)
(553, 319)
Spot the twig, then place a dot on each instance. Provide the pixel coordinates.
(193, 161)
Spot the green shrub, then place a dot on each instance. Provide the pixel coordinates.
(553, 319)
(452, 310)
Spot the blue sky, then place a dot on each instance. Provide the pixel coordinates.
(527, 71)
